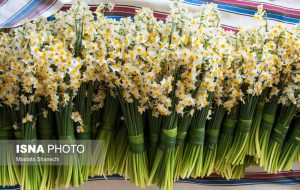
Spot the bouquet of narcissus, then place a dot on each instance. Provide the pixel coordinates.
(171, 69)
(209, 72)
(226, 96)
(180, 65)
(233, 82)
(104, 153)
(24, 90)
(65, 76)
(256, 73)
(126, 71)
(190, 82)
(288, 99)
(274, 53)
(289, 103)
(10, 172)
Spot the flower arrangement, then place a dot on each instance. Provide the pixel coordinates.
(170, 99)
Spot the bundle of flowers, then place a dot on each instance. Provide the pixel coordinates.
(164, 99)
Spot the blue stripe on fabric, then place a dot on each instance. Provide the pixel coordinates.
(117, 18)
(22, 13)
(50, 18)
(10, 187)
(280, 17)
(243, 11)
(196, 2)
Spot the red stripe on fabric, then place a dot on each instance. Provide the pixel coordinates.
(230, 29)
(261, 175)
(124, 9)
(2, 2)
(269, 3)
(266, 6)
(160, 16)
(65, 7)
(266, 175)
(42, 8)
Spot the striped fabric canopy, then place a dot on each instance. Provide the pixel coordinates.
(234, 13)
